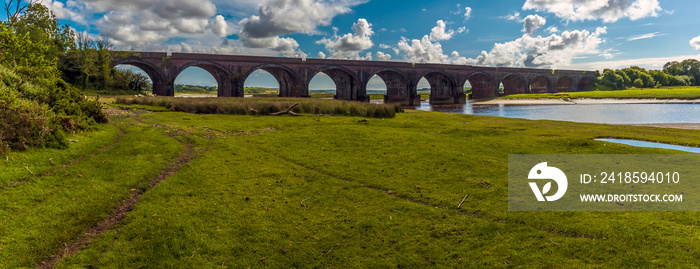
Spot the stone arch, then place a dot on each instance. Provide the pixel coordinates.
(565, 84)
(514, 84)
(442, 87)
(161, 85)
(290, 83)
(347, 86)
(399, 88)
(483, 85)
(220, 73)
(540, 84)
(584, 83)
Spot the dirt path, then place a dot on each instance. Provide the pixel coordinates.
(120, 212)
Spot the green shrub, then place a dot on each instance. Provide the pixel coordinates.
(37, 116)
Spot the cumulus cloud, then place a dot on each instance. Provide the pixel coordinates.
(220, 26)
(282, 17)
(321, 55)
(695, 42)
(532, 23)
(606, 10)
(439, 32)
(428, 49)
(422, 51)
(350, 45)
(467, 13)
(381, 56)
(551, 51)
(136, 23)
(71, 10)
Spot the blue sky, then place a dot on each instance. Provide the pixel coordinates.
(526, 33)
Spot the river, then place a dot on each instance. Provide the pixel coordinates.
(592, 113)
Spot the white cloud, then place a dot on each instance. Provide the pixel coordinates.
(606, 10)
(384, 46)
(321, 55)
(645, 36)
(552, 29)
(381, 56)
(349, 45)
(512, 17)
(532, 23)
(282, 17)
(220, 26)
(467, 13)
(72, 10)
(422, 51)
(551, 51)
(695, 42)
(439, 32)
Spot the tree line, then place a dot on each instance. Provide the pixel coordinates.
(685, 73)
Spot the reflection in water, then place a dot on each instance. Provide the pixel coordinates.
(594, 113)
(645, 144)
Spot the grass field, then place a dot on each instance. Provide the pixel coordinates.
(225, 191)
(661, 93)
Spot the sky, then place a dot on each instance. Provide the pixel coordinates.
(558, 34)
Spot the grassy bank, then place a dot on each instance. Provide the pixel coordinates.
(661, 93)
(334, 192)
(265, 106)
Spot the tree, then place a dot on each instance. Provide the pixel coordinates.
(32, 41)
(660, 77)
(638, 83)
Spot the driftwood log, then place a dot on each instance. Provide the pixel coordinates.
(288, 111)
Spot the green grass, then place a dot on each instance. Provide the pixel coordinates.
(661, 93)
(285, 192)
(45, 212)
(265, 106)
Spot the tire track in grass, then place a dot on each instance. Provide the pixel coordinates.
(408, 199)
(66, 165)
(122, 209)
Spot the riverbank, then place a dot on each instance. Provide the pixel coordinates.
(578, 101)
(681, 92)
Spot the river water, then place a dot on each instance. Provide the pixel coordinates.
(592, 113)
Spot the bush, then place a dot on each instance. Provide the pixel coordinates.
(37, 116)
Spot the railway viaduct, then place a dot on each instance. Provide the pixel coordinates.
(351, 77)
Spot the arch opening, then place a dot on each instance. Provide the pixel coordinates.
(160, 86)
(540, 84)
(130, 78)
(195, 81)
(398, 88)
(322, 85)
(482, 86)
(345, 83)
(565, 84)
(289, 84)
(261, 83)
(585, 84)
(513, 84)
(443, 90)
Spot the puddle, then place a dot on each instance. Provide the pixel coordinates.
(645, 144)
